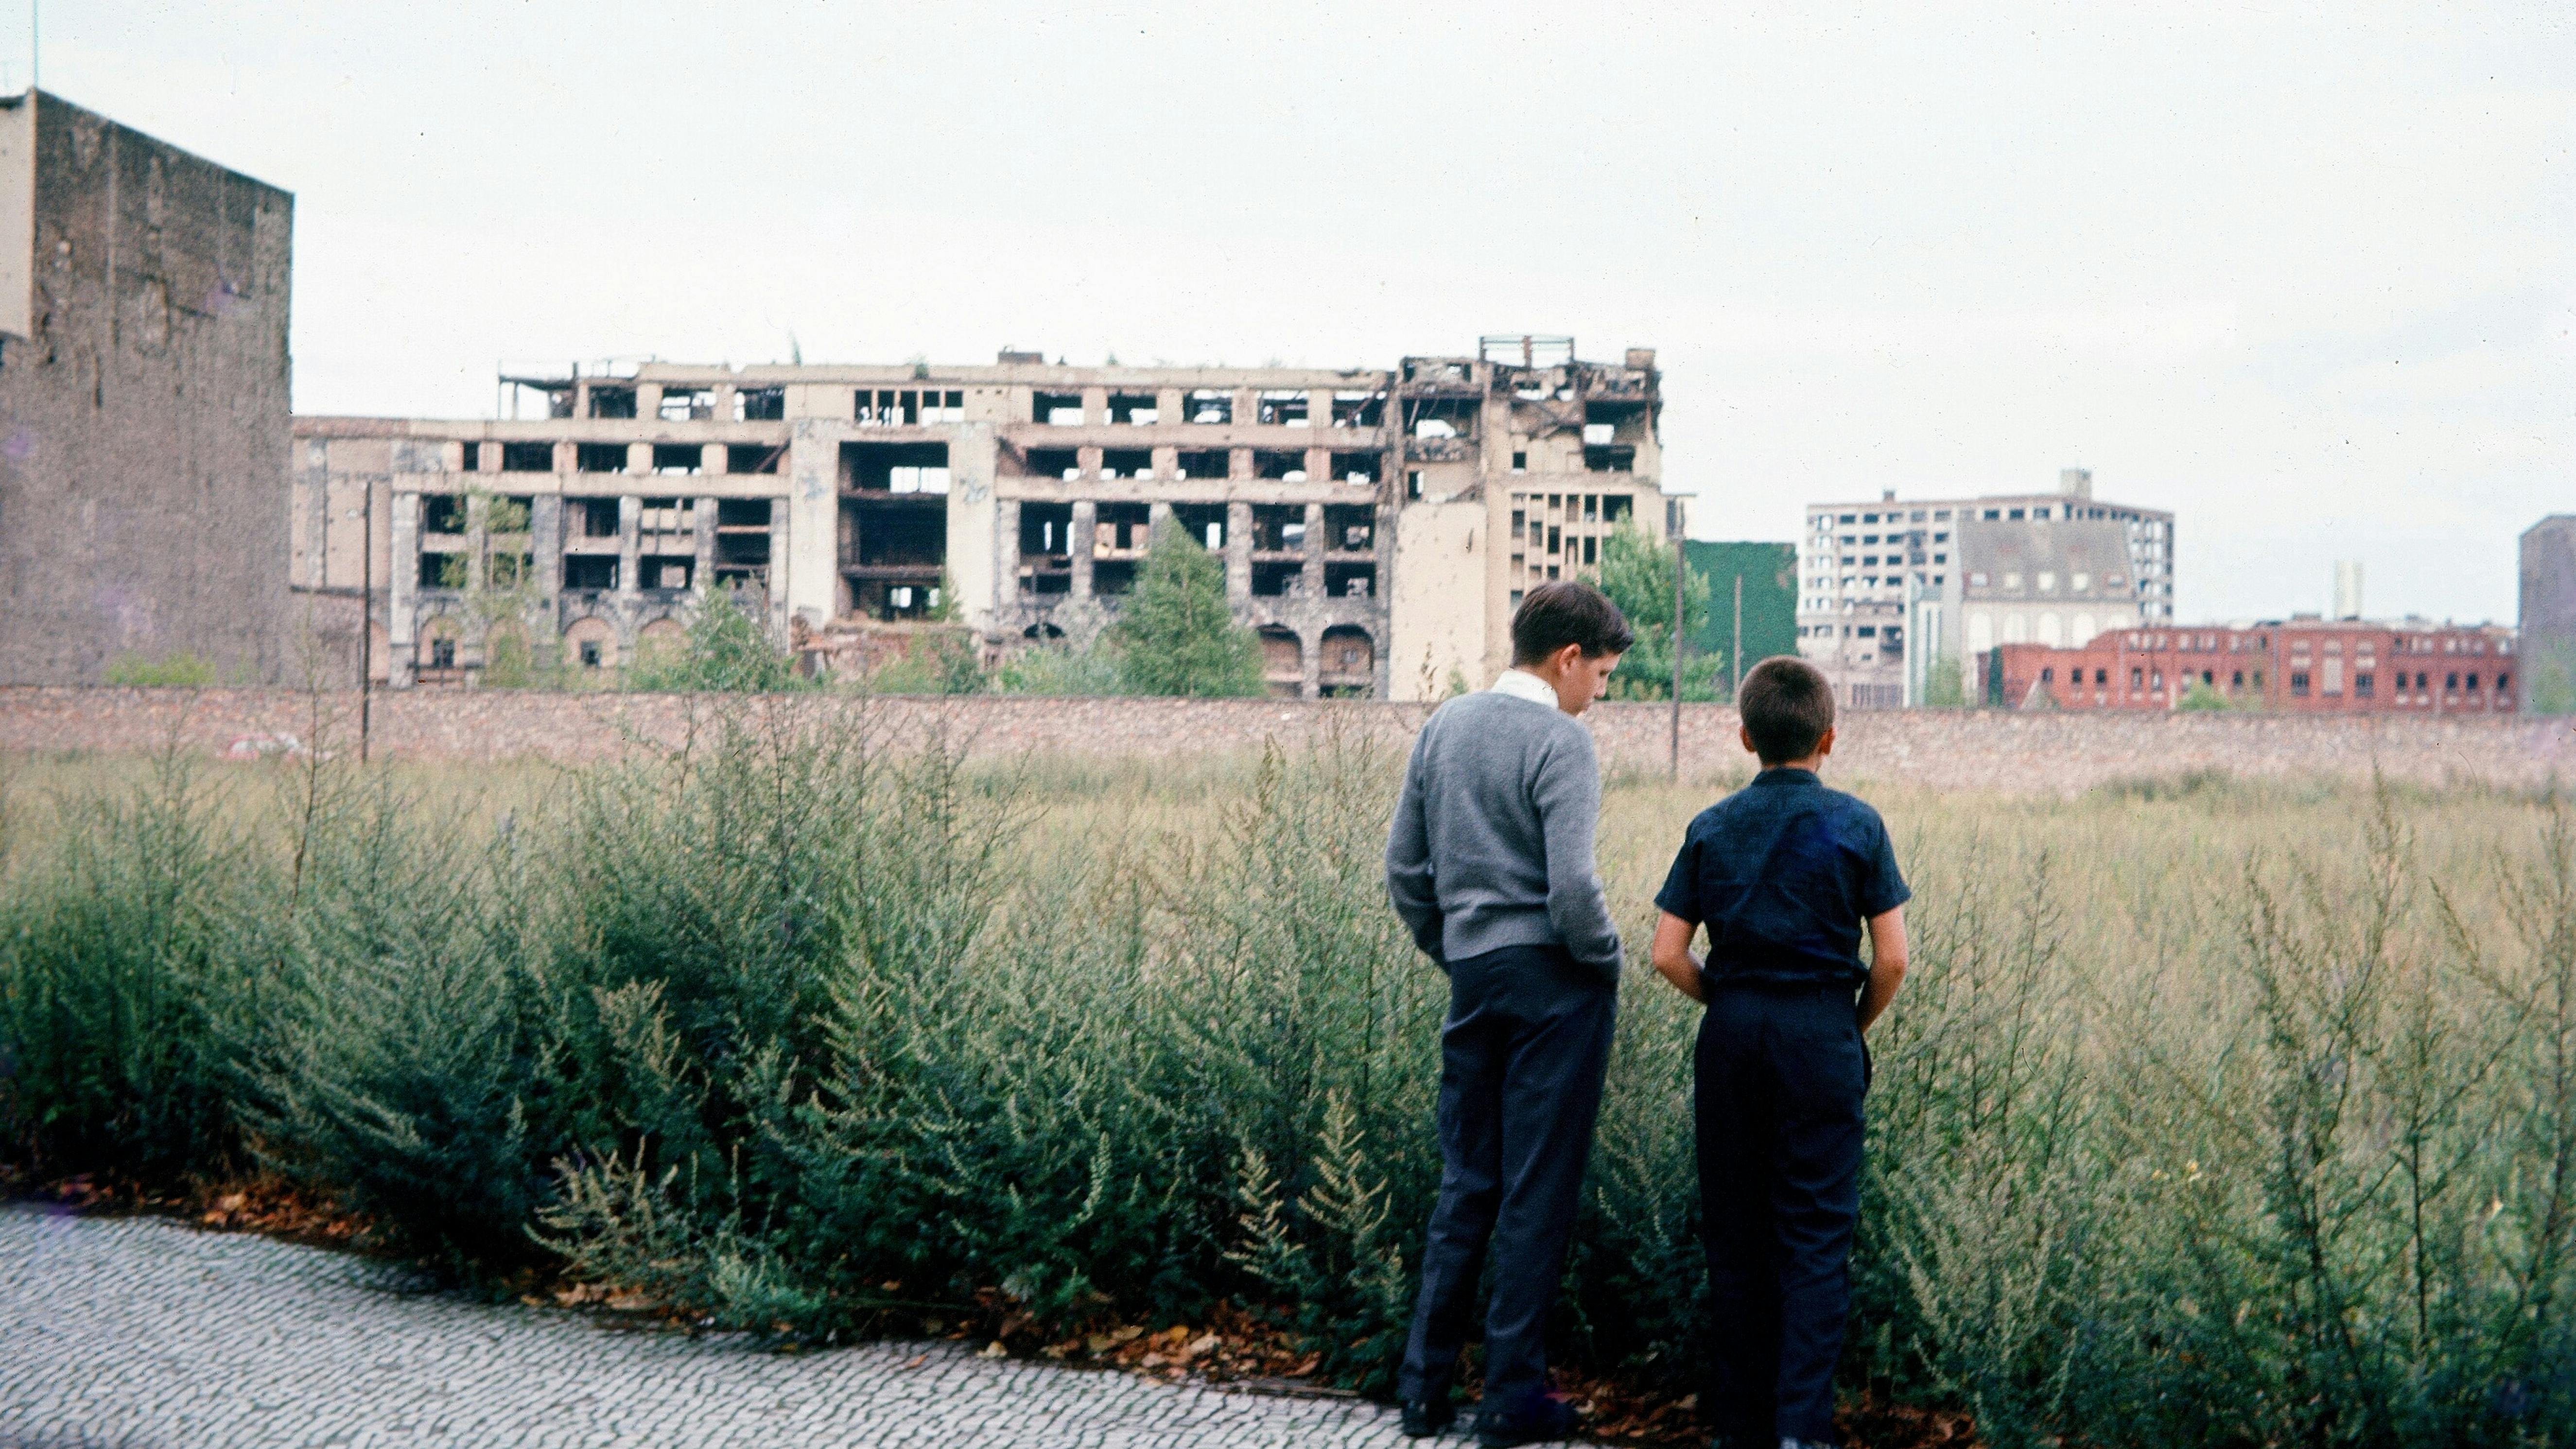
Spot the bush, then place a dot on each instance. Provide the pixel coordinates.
(1177, 634)
(2199, 1123)
(1058, 669)
(179, 670)
(727, 651)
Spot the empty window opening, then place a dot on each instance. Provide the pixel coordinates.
(887, 407)
(671, 575)
(1520, 462)
(1064, 409)
(1281, 409)
(1112, 577)
(1206, 463)
(598, 516)
(442, 513)
(471, 458)
(894, 468)
(1134, 409)
(590, 655)
(1350, 580)
(1054, 463)
(1359, 409)
(1358, 468)
(590, 573)
(688, 405)
(760, 405)
(678, 460)
(1612, 458)
(1046, 529)
(1280, 466)
(1278, 528)
(1121, 530)
(1616, 506)
(600, 457)
(1127, 463)
(435, 573)
(528, 457)
(1208, 405)
(1349, 528)
(1203, 523)
(753, 457)
(1278, 579)
(612, 402)
(442, 654)
(1441, 417)
(742, 541)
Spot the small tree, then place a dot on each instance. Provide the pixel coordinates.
(1945, 685)
(1637, 574)
(726, 651)
(2203, 698)
(1177, 634)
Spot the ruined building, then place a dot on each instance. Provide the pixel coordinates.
(1377, 526)
(143, 403)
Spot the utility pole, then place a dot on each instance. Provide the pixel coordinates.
(366, 621)
(1680, 561)
(1735, 657)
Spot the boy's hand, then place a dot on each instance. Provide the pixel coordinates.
(1673, 958)
(1886, 963)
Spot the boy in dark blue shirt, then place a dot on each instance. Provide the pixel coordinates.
(1784, 873)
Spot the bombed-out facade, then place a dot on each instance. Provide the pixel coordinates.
(1376, 526)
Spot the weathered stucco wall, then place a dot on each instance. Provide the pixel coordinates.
(1986, 750)
(143, 420)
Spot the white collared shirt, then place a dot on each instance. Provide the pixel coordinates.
(1521, 684)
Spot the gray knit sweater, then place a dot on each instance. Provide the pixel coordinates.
(1492, 844)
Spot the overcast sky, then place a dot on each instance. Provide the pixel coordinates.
(2301, 274)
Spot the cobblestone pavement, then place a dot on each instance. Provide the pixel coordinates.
(141, 1333)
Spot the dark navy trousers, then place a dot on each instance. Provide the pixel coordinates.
(1521, 1061)
(1780, 1076)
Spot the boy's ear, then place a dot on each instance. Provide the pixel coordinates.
(1745, 734)
(1825, 742)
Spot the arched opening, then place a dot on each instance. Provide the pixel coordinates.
(590, 648)
(1283, 661)
(1349, 662)
(1042, 630)
(663, 640)
(434, 659)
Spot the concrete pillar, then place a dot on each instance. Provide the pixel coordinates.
(1095, 406)
(1086, 521)
(1319, 408)
(1169, 403)
(402, 583)
(805, 530)
(1088, 460)
(1310, 662)
(546, 540)
(1238, 464)
(1167, 462)
(1313, 571)
(1238, 554)
(648, 400)
(639, 457)
(712, 460)
(630, 518)
(1158, 521)
(703, 577)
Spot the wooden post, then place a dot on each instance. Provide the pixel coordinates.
(1680, 561)
(366, 612)
(1735, 659)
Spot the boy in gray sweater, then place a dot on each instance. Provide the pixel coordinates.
(1490, 865)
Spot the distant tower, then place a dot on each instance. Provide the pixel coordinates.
(2075, 482)
(2347, 593)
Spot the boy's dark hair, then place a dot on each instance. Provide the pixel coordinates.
(1568, 611)
(1787, 706)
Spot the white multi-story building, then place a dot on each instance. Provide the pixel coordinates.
(1889, 589)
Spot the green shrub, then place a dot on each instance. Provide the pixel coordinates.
(1176, 633)
(178, 670)
(726, 651)
(1057, 669)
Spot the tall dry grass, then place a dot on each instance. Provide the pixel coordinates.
(2214, 1112)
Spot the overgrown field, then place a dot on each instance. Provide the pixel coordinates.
(2213, 1113)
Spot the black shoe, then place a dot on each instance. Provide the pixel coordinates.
(1543, 1421)
(1426, 1417)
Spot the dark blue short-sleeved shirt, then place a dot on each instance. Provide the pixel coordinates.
(1784, 873)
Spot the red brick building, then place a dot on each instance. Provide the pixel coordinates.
(2303, 665)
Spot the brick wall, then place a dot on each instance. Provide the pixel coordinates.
(2042, 753)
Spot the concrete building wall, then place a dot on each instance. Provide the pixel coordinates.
(1438, 624)
(2548, 611)
(143, 376)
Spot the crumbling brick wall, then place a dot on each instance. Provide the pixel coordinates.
(2001, 751)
